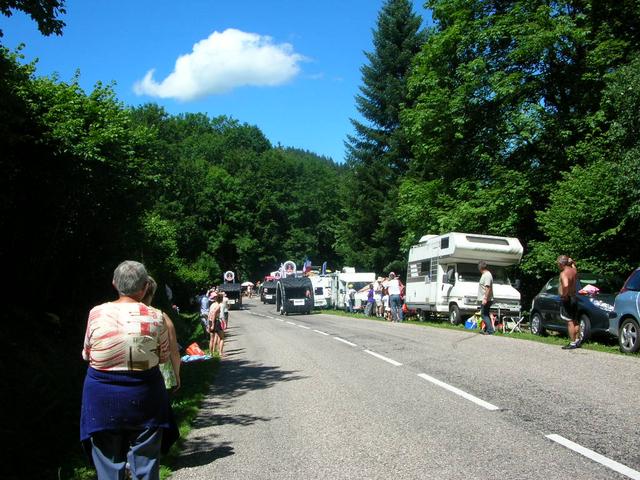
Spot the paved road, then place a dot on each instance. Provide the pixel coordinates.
(326, 397)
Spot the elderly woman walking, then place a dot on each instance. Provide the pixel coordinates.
(125, 406)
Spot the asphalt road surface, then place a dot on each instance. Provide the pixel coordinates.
(326, 397)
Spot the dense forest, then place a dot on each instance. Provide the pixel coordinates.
(517, 118)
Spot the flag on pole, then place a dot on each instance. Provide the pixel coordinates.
(306, 268)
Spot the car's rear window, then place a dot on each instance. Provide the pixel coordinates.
(634, 281)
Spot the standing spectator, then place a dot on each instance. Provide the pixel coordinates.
(205, 303)
(225, 308)
(569, 307)
(371, 301)
(395, 300)
(485, 296)
(125, 407)
(377, 286)
(385, 304)
(215, 327)
(170, 370)
(351, 298)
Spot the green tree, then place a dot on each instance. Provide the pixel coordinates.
(378, 153)
(44, 12)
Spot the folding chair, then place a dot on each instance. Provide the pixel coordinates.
(512, 324)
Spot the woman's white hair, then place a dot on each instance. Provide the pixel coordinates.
(130, 277)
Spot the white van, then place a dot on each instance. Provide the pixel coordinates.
(321, 291)
(340, 285)
(443, 276)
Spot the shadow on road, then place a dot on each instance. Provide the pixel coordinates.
(235, 378)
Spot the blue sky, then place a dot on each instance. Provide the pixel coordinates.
(297, 85)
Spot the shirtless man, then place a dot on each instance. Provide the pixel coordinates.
(567, 291)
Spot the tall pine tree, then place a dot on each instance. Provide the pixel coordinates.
(377, 154)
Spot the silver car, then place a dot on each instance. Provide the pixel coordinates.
(627, 308)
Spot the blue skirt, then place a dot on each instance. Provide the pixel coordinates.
(117, 401)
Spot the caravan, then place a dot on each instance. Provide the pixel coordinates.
(443, 276)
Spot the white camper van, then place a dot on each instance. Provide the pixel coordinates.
(340, 285)
(443, 276)
(321, 290)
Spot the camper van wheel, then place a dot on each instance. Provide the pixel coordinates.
(454, 314)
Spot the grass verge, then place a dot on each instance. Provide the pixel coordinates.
(608, 345)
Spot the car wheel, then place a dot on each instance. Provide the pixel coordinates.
(629, 336)
(585, 328)
(454, 314)
(536, 324)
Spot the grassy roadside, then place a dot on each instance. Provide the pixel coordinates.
(553, 338)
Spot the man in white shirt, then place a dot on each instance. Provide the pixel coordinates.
(485, 296)
(395, 300)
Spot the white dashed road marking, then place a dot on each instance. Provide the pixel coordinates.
(291, 323)
(305, 327)
(596, 457)
(381, 357)
(321, 332)
(345, 341)
(457, 391)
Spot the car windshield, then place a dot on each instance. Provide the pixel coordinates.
(357, 286)
(468, 272)
(606, 285)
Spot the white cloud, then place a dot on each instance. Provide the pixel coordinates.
(222, 62)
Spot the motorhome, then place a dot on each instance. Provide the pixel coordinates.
(443, 276)
(340, 284)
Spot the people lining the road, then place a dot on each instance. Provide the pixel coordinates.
(350, 298)
(371, 301)
(125, 406)
(170, 370)
(394, 288)
(205, 303)
(485, 296)
(567, 292)
(216, 332)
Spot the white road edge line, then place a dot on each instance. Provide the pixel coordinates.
(596, 457)
(291, 323)
(381, 357)
(279, 319)
(305, 327)
(345, 341)
(321, 332)
(457, 391)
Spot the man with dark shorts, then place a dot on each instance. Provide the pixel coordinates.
(485, 296)
(569, 306)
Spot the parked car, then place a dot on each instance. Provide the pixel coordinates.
(627, 308)
(595, 313)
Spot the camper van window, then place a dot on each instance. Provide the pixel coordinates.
(424, 269)
(493, 241)
(451, 275)
(468, 272)
(318, 291)
(444, 242)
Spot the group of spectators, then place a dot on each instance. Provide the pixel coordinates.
(214, 316)
(126, 418)
(384, 298)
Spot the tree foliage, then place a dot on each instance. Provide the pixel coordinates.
(378, 153)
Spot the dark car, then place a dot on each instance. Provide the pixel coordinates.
(595, 312)
(627, 309)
